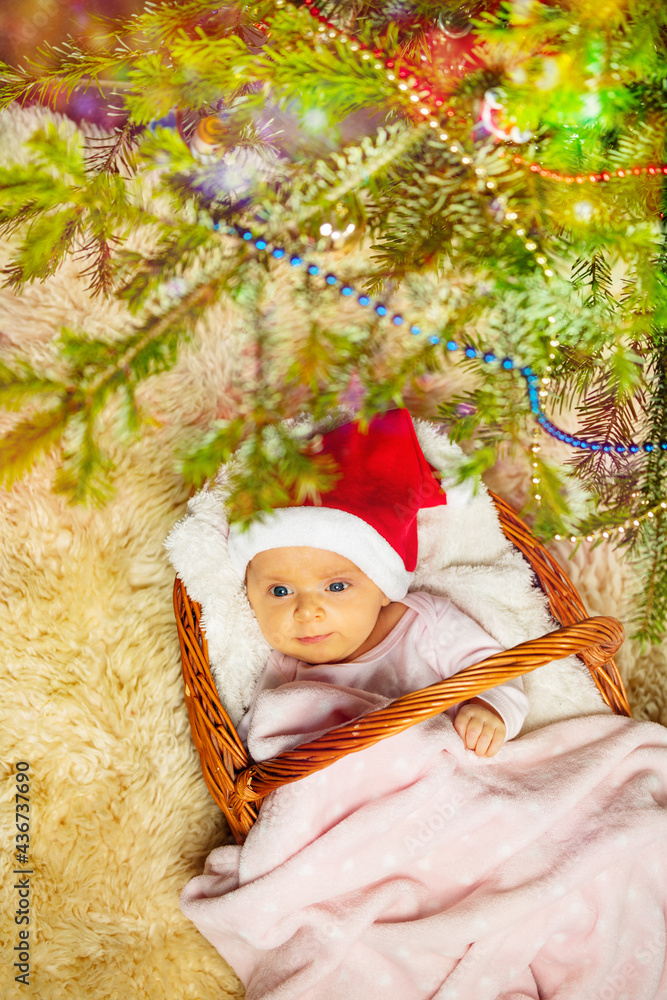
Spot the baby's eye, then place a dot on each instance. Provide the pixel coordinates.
(338, 586)
(282, 590)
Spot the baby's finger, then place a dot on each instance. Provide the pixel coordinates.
(473, 731)
(460, 724)
(484, 740)
(496, 742)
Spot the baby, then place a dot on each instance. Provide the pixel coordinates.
(328, 586)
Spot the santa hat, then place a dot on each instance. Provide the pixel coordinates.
(369, 517)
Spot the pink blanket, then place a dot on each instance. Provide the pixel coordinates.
(416, 869)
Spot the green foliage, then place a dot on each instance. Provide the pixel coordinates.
(650, 615)
(554, 514)
(60, 210)
(649, 544)
(19, 383)
(452, 230)
(85, 473)
(29, 441)
(477, 463)
(270, 468)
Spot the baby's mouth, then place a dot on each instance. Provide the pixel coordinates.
(313, 638)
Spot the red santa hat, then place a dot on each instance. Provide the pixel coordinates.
(370, 516)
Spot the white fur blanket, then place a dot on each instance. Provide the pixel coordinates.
(415, 870)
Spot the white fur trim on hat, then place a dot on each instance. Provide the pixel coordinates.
(323, 528)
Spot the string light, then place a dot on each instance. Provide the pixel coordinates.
(611, 531)
(536, 395)
(593, 178)
(535, 479)
(537, 386)
(411, 74)
(607, 447)
(432, 107)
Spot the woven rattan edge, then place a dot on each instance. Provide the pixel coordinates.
(221, 753)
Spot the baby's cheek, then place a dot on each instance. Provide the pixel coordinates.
(276, 634)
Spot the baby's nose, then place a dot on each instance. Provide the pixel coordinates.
(308, 607)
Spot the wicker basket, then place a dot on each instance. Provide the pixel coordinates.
(238, 785)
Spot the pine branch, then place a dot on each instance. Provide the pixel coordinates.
(650, 617)
(649, 548)
(610, 415)
(595, 273)
(343, 179)
(162, 22)
(101, 369)
(71, 212)
(73, 69)
(31, 441)
(115, 151)
(100, 269)
(85, 473)
(19, 382)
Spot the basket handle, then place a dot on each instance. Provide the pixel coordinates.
(600, 637)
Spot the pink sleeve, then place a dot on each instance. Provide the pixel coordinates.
(457, 641)
(272, 676)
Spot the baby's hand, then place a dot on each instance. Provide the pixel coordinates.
(480, 727)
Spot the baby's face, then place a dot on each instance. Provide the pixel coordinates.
(313, 604)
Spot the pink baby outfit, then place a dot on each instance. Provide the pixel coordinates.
(432, 641)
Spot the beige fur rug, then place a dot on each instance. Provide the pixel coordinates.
(90, 687)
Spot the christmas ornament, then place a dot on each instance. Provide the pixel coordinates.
(454, 23)
(208, 137)
(495, 121)
(255, 35)
(453, 43)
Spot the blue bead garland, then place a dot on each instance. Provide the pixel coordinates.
(532, 380)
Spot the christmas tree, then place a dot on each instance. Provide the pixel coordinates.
(382, 191)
